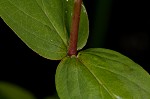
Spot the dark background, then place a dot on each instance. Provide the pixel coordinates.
(120, 25)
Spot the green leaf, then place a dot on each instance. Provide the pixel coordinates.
(101, 74)
(9, 91)
(43, 24)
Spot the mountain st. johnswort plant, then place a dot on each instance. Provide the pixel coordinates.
(57, 30)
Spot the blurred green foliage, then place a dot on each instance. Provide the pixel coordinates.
(10, 91)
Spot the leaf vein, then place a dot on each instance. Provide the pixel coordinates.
(100, 82)
(52, 23)
(117, 73)
(35, 35)
(36, 20)
(78, 80)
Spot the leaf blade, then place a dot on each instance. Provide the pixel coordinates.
(69, 80)
(102, 74)
(41, 24)
(121, 67)
(33, 28)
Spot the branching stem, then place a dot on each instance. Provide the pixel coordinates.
(74, 28)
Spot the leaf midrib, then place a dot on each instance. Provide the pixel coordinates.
(34, 34)
(117, 73)
(100, 82)
(38, 20)
(51, 22)
(29, 31)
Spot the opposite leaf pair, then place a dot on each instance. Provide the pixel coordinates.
(44, 25)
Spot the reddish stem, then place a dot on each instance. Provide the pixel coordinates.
(74, 28)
